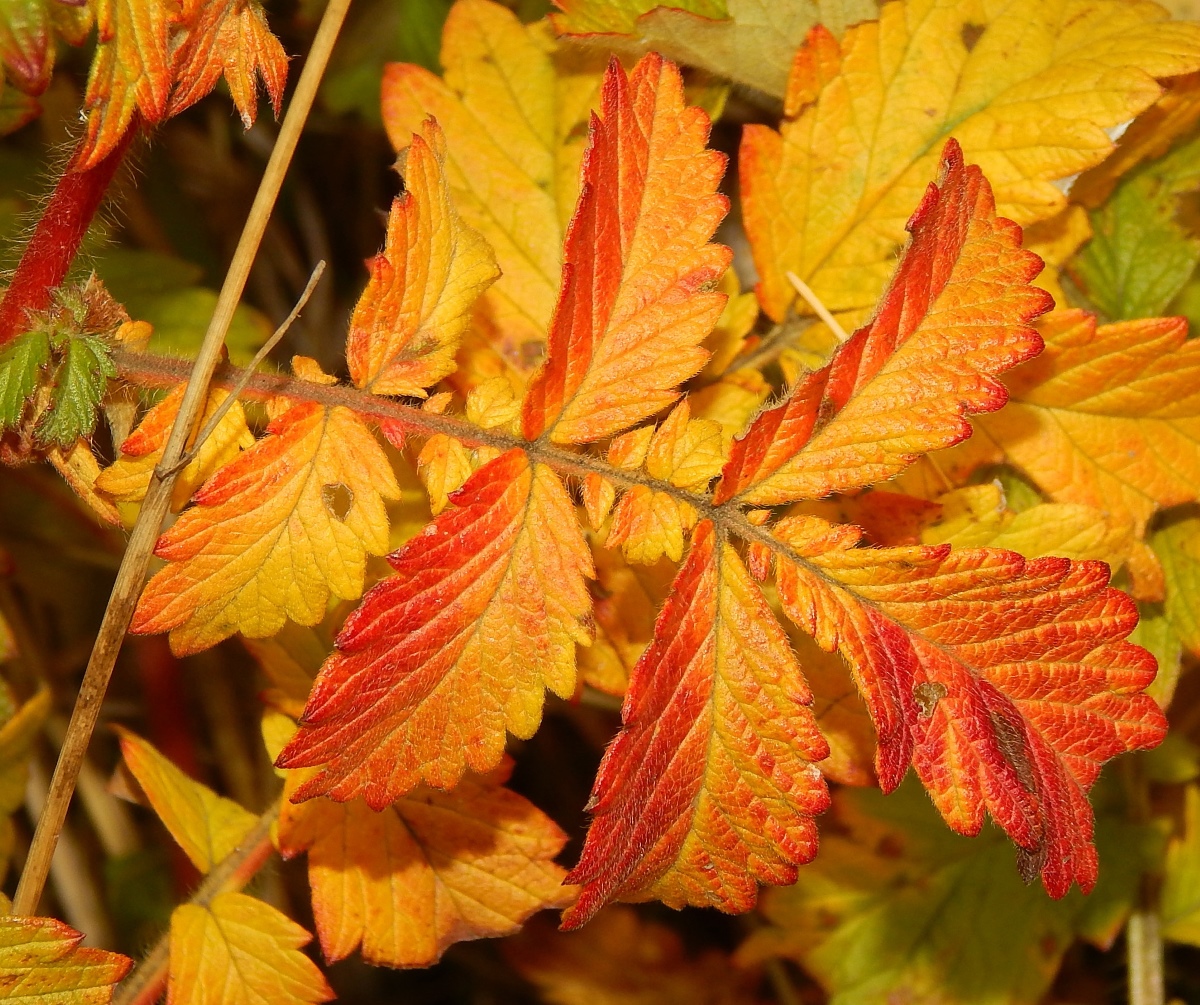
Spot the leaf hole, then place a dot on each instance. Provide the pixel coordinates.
(338, 500)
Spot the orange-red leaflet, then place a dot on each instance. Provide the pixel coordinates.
(230, 37)
(483, 613)
(131, 72)
(41, 960)
(957, 313)
(1006, 683)
(411, 317)
(274, 533)
(633, 307)
(710, 789)
(432, 869)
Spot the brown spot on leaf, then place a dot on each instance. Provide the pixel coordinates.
(927, 696)
(970, 35)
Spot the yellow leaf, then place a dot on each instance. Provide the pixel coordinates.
(274, 533)
(1181, 888)
(206, 826)
(687, 452)
(729, 338)
(514, 110)
(42, 963)
(240, 951)
(492, 404)
(977, 517)
(128, 477)
(732, 401)
(443, 465)
(1178, 548)
(410, 319)
(647, 525)
(431, 869)
(1030, 90)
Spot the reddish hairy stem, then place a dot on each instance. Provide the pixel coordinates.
(48, 255)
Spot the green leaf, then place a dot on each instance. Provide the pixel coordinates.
(79, 385)
(1177, 545)
(1181, 884)
(1156, 632)
(1143, 253)
(20, 367)
(162, 290)
(897, 908)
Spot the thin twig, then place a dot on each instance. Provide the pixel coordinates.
(819, 308)
(232, 873)
(259, 356)
(132, 574)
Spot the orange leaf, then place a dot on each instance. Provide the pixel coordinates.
(956, 314)
(632, 308)
(130, 73)
(1107, 416)
(41, 960)
(1004, 682)
(274, 533)
(410, 319)
(710, 787)
(128, 477)
(240, 951)
(230, 37)
(430, 870)
(484, 612)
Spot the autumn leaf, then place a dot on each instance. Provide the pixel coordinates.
(240, 951)
(229, 37)
(978, 517)
(131, 72)
(620, 16)
(620, 959)
(41, 961)
(966, 660)
(18, 734)
(430, 870)
(128, 477)
(407, 326)
(514, 111)
(827, 198)
(710, 788)
(753, 46)
(483, 614)
(897, 908)
(206, 826)
(273, 533)
(632, 311)
(1108, 416)
(955, 315)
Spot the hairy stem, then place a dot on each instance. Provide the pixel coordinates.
(56, 240)
(231, 874)
(132, 573)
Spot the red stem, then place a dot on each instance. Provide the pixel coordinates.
(55, 242)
